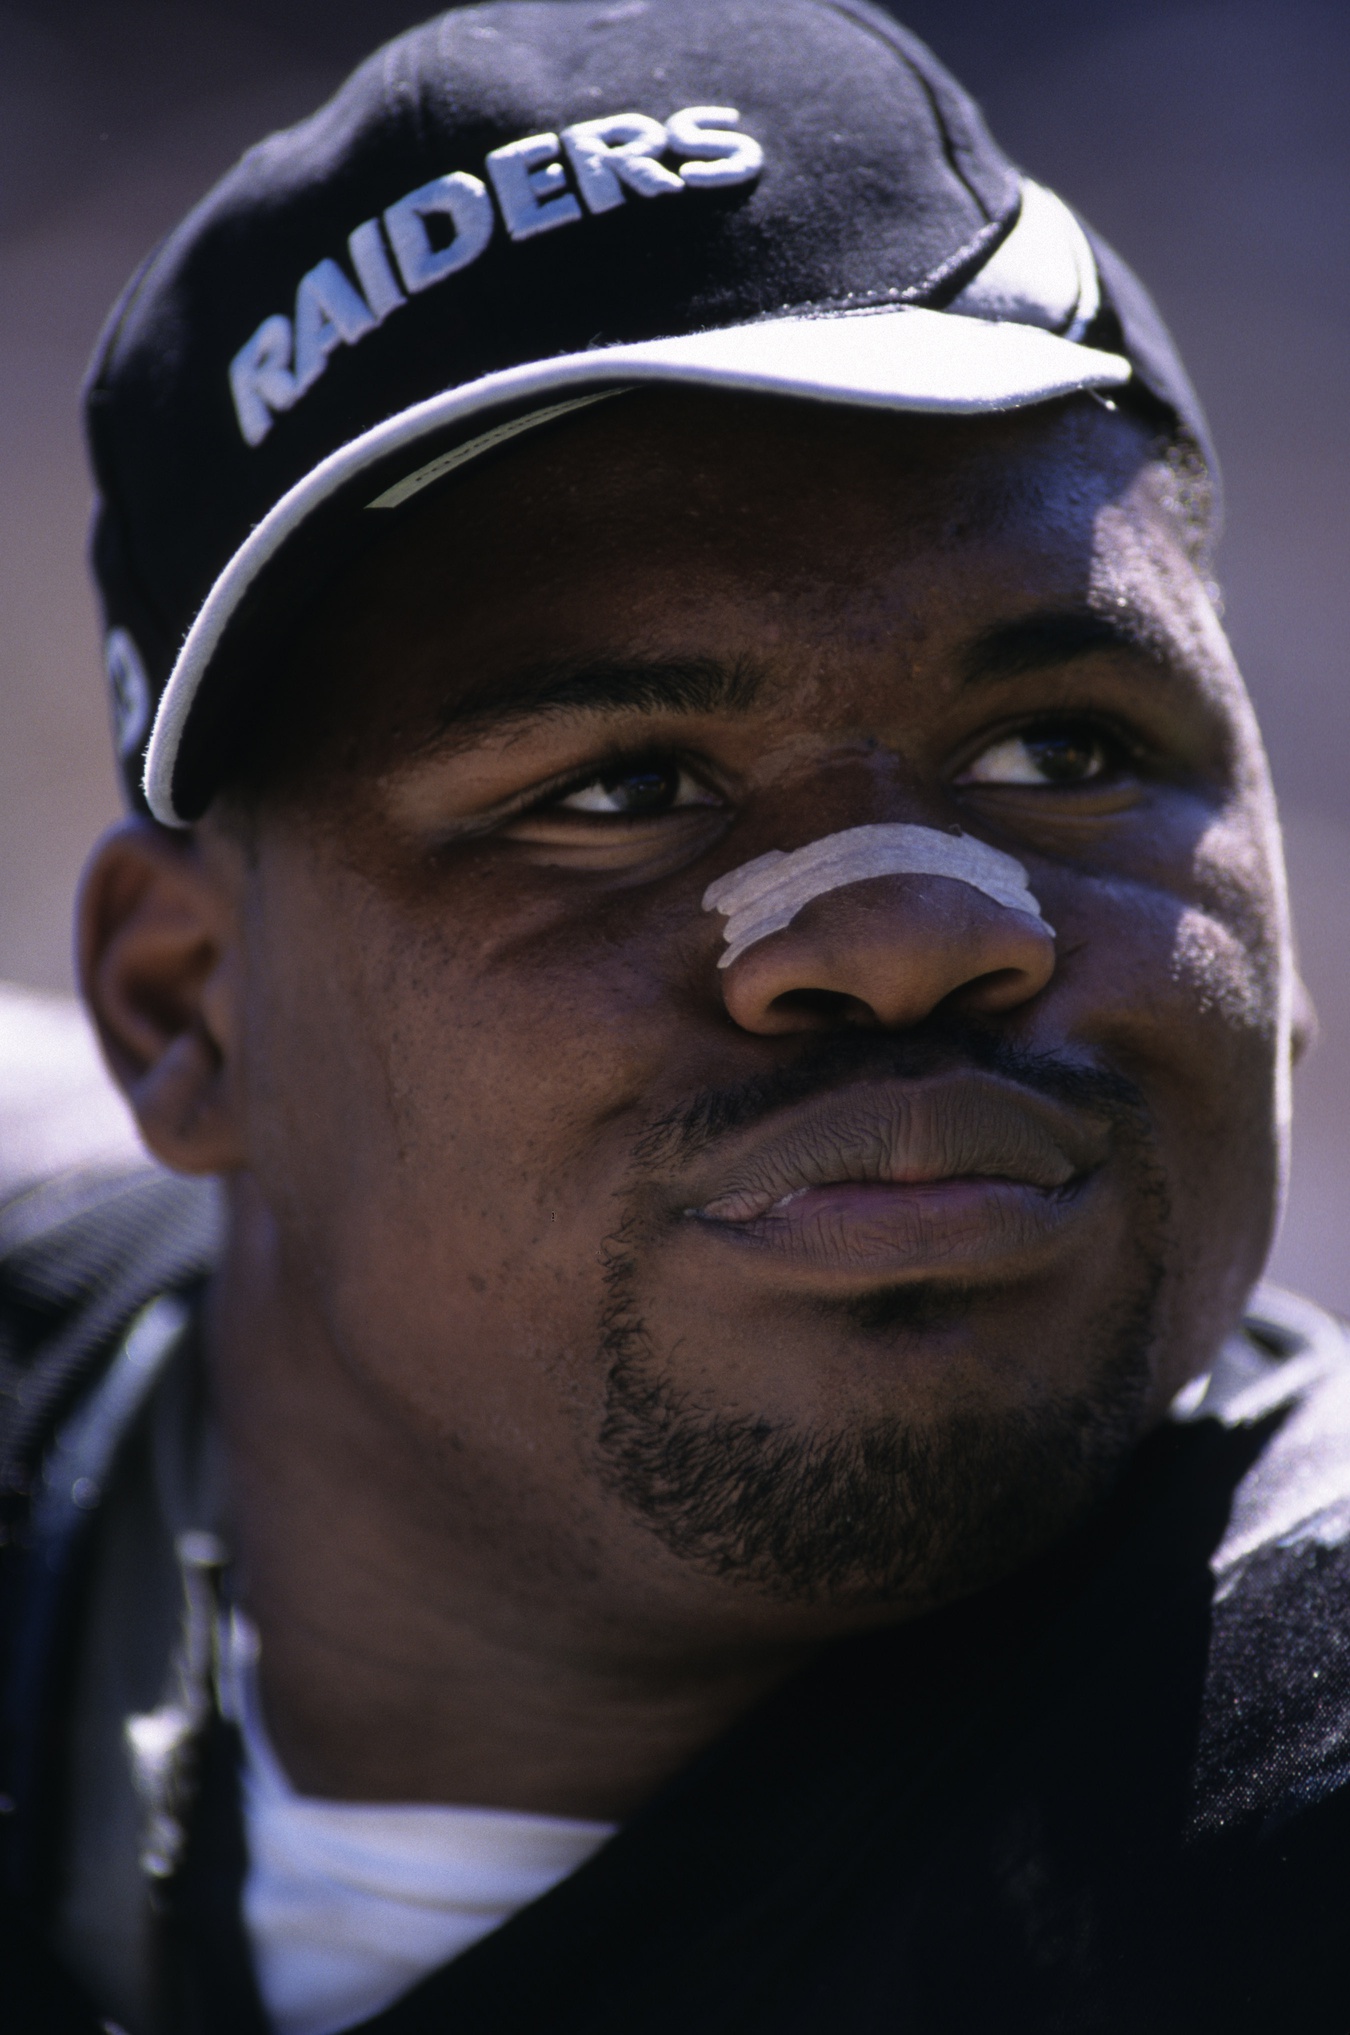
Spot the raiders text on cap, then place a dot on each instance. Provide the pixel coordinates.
(610, 159)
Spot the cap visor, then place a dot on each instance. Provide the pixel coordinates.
(897, 358)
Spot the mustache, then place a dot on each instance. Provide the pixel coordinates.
(831, 1060)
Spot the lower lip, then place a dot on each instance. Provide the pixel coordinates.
(912, 1228)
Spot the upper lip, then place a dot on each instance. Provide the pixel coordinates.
(944, 1127)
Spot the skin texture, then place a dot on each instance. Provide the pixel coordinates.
(602, 1332)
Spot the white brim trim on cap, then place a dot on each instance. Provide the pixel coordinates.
(895, 358)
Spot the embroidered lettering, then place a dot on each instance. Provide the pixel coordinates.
(261, 381)
(607, 155)
(447, 224)
(373, 272)
(130, 690)
(531, 186)
(329, 312)
(719, 156)
(461, 199)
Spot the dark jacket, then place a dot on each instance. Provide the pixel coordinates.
(1112, 1795)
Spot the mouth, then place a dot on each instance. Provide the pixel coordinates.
(962, 1174)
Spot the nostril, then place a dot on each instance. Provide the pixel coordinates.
(823, 1008)
(1000, 987)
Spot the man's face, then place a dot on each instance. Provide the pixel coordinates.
(838, 1281)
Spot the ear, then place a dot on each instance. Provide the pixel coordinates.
(158, 964)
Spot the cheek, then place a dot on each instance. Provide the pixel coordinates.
(1188, 1003)
(1220, 979)
(443, 1105)
(1228, 957)
(511, 1060)
(1221, 1005)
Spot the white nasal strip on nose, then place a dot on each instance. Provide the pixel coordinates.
(764, 896)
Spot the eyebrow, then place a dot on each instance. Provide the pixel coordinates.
(707, 685)
(697, 685)
(1054, 637)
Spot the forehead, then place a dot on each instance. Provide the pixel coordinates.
(684, 523)
(650, 473)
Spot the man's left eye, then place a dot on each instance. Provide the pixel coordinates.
(1046, 756)
(637, 791)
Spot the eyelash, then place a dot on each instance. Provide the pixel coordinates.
(615, 764)
(1124, 748)
(1124, 751)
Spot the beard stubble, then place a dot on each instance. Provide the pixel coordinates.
(883, 1513)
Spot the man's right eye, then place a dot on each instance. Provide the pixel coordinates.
(637, 791)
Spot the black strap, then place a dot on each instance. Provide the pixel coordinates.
(205, 1967)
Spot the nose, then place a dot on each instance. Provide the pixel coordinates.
(885, 953)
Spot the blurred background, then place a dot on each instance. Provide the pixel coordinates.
(1207, 138)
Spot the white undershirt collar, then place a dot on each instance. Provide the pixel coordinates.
(347, 1905)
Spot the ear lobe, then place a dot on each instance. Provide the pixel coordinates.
(156, 959)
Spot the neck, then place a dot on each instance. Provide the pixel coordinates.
(424, 1639)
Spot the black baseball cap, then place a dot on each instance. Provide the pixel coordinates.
(512, 212)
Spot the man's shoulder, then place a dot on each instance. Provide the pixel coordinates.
(1275, 1730)
(97, 1273)
(80, 1255)
(1289, 1372)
